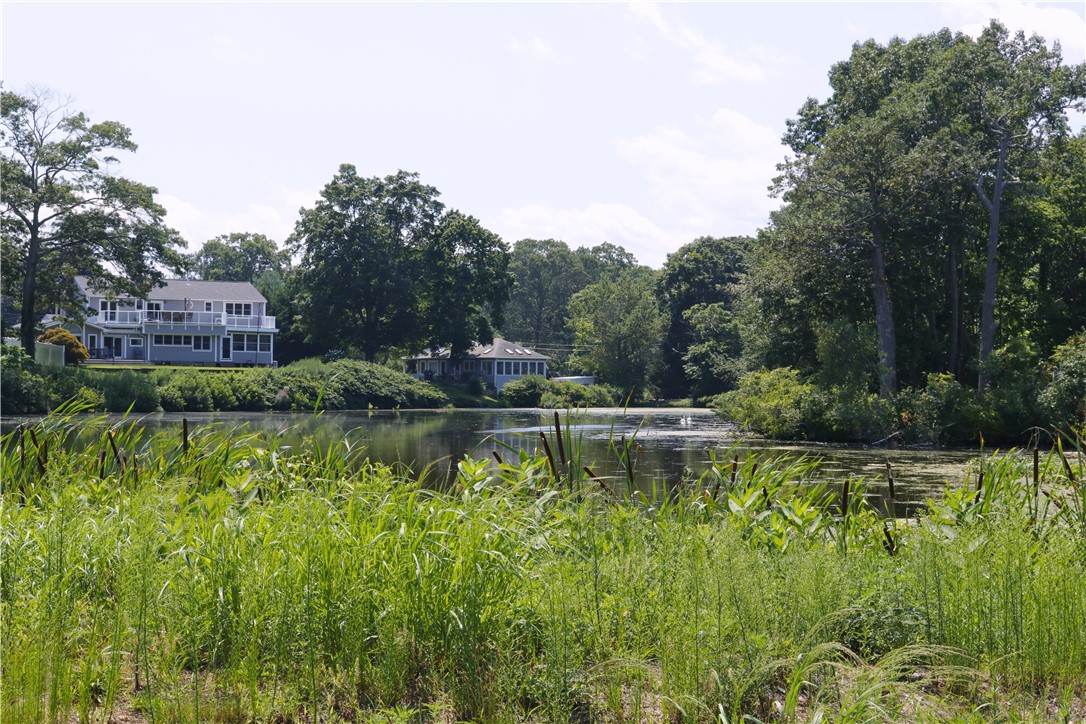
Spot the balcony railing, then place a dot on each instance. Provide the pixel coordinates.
(158, 317)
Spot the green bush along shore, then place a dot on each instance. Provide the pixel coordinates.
(304, 385)
(225, 578)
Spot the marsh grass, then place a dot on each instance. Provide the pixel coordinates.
(223, 576)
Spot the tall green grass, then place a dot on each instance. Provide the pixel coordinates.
(221, 576)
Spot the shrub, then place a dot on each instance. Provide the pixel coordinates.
(91, 398)
(363, 384)
(126, 389)
(476, 386)
(571, 394)
(254, 390)
(21, 388)
(847, 414)
(1063, 399)
(773, 402)
(183, 391)
(300, 391)
(943, 412)
(74, 351)
(525, 392)
(65, 383)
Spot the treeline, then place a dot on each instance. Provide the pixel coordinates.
(928, 261)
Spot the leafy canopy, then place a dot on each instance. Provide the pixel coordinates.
(64, 213)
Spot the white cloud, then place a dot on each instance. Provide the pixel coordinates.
(275, 218)
(1050, 22)
(714, 63)
(711, 180)
(535, 48)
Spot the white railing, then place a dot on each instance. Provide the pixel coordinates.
(117, 317)
(157, 318)
(237, 322)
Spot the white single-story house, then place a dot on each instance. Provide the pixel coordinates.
(497, 363)
(186, 321)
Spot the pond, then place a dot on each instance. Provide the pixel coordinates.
(674, 443)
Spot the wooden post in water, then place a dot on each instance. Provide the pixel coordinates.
(891, 510)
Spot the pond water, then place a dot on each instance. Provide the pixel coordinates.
(673, 443)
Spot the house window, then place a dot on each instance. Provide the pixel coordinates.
(108, 310)
(180, 340)
(135, 341)
(265, 343)
(239, 342)
(239, 309)
(201, 343)
(207, 306)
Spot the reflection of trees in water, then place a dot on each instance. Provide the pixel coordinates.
(671, 442)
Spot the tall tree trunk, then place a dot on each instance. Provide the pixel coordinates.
(28, 317)
(884, 316)
(991, 270)
(954, 294)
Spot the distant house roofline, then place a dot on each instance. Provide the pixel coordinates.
(191, 289)
(497, 349)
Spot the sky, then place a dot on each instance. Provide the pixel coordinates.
(645, 125)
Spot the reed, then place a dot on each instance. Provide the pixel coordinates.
(239, 579)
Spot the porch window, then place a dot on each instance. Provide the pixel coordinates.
(265, 343)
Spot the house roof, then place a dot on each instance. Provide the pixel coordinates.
(498, 349)
(197, 289)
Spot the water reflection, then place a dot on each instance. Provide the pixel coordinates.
(670, 444)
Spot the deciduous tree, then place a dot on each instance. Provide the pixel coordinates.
(238, 257)
(65, 213)
(618, 328)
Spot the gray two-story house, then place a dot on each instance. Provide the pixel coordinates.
(183, 322)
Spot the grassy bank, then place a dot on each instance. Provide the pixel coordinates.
(224, 578)
(306, 385)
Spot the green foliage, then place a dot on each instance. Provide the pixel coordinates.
(234, 578)
(1063, 399)
(525, 392)
(618, 330)
(415, 274)
(943, 411)
(63, 210)
(74, 351)
(184, 390)
(361, 385)
(534, 391)
(712, 359)
(703, 274)
(570, 395)
(773, 402)
(476, 386)
(21, 388)
(126, 388)
(239, 257)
